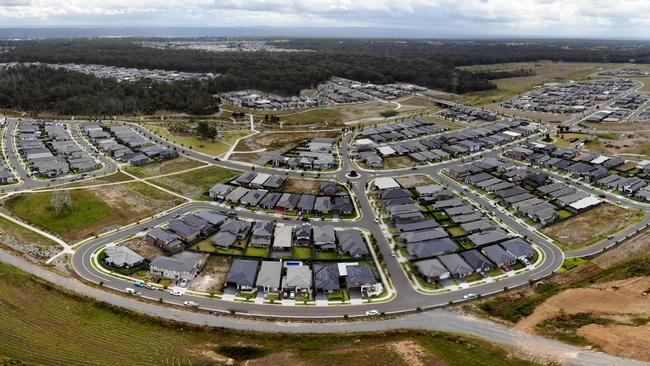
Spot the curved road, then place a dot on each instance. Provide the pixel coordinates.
(407, 299)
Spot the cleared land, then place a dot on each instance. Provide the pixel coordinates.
(398, 162)
(163, 167)
(636, 144)
(592, 226)
(117, 177)
(544, 72)
(416, 180)
(76, 331)
(93, 211)
(298, 185)
(601, 302)
(214, 148)
(195, 183)
(618, 127)
(277, 140)
(34, 246)
(566, 140)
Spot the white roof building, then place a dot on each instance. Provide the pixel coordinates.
(386, 183)
(585, 203)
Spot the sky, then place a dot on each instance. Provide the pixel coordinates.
(625, 19)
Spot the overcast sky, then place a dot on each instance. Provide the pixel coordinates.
(549, 18)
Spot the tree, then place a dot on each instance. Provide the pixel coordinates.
(207, 130)
(59, 200)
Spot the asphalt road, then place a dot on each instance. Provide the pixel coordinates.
(406, 301)
(435, 320)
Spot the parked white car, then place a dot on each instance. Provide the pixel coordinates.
(469, 296)
(191, 304)
(183, 282)
(372, 312)
(175, 293)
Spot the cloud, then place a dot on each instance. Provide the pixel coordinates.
(479, 17)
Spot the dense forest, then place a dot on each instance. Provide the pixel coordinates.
(429, 63)
(41, 89)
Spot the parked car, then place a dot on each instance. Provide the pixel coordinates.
(149, 287)
(393, 254)
(470, 296)
(131, 291)
(292, 295)
(183, 282)
(372, 313)
(175, 293)
(139, 284)
(177, 216)
(191, 304)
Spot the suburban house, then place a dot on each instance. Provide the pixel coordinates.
(182, 266)
(298, 279)
(183, 231)
(242, 274)
(351, 242)
(432, 270)
(165, 240)
(326, 277)
(324, 238)
(282, 238)
(119, 256)
(269, 277)
(262, 234)
(362, 278)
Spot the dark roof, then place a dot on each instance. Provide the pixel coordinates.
(326, 277)
(360, 275)
(243, 272)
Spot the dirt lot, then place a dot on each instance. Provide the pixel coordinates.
(297, 185)
(213, 275)
(621, 340)
(592, 226)
(627, 126)
(411, 181)
(623, 298)
(140, 246)
(635, 144)
(276, 140)
(164, 167)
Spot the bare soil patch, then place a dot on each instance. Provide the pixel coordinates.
(410, 352)
(411, 181)
(624, 297)
(620, 340)
(297, 185)
(213, 275)
(146, 250)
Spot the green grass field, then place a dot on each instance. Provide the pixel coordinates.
(93, 210)
(195, 183)
(215, 148)
(164, 167)
(42, 325)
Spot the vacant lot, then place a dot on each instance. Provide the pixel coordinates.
(164, 167)
(398, 162)
(416, 180)
(276, 140)
(213, 275)
(299, 185)
(566, 140)
(197, 182)
(214, 148)
(601, 302)
(545, 72)
(592, 226)
(622, 127)
(635, 144)
(93, 210)
(113, 178)
(81, 332)
(34, 246)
